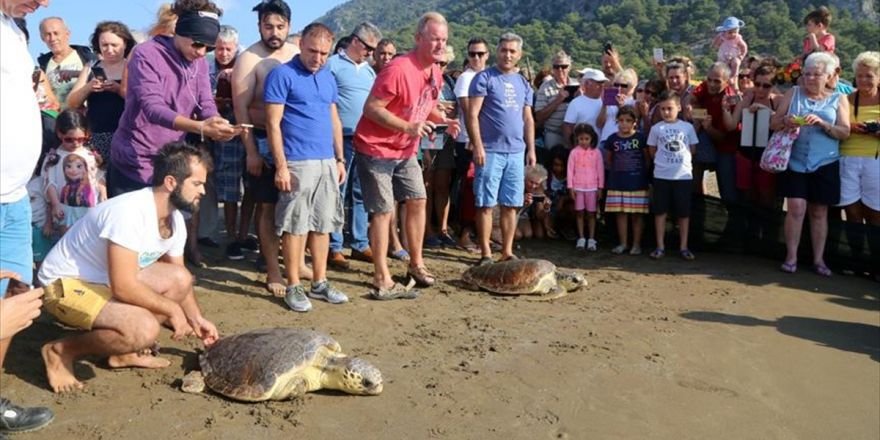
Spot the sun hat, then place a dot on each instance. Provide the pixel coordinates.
(730, 23)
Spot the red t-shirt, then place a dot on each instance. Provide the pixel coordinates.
(411, 95)
(826, 43)
(713, 105)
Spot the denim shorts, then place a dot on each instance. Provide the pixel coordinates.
(501, 180)
(15, 241)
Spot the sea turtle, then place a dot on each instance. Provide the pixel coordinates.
(279, 364)
(524, 277)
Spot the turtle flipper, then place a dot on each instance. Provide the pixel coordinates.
(555, 292)
(193, 382)
(295, 387)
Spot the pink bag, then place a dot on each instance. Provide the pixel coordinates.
(778, 151)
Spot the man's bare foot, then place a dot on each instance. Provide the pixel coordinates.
(276, 288)
(59, 369)
(138, 360)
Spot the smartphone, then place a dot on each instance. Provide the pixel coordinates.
(99, 73)
(699, 113)
(537, 198)
(658, 55)
(440, 129)
(607, 48)
(16, 287)
(572, 92)
(609, 95)
(872, 127)
(246, 125)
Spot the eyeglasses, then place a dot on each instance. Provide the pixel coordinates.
(443, 64)
(366, 46)
(621, 85)
(561, 66)
(764, 85)
(814, 74)
(199, 46)
(477, 54)
(75, 139)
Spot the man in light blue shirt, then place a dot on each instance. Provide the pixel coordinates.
(354, 79)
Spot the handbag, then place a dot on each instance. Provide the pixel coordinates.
(778, 151)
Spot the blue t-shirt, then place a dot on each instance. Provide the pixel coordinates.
(307, 127)
(629, 172)
(501, 117)
(354, 82)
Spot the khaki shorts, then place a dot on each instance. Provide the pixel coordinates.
(76, 303)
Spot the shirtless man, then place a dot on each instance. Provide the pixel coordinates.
(248, 77)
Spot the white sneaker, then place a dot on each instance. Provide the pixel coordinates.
(581, 243)
(323, 290)
(592, 245)
(296, 299)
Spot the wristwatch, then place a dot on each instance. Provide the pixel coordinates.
(340, 160)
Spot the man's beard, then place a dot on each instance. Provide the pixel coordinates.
(280, 43)
(180, 203)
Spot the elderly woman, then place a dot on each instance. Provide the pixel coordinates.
(812, 181)
(859, 162)
(99, 86)
(625, 82)
(551, 101)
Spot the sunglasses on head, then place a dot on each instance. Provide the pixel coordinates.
(366, 46)
(477, 54)
(72, 139)
(561, 66)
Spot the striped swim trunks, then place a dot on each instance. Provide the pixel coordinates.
(629, 202)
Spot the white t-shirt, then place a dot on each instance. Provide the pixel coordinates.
(130, 221)
(610, 126)
(583, 110)
(71, 63)
(674, 142)
(20, 126)
(462, 84)
(54, 175)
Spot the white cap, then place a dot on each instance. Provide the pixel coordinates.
(593, 74)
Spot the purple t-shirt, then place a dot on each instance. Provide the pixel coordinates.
(629, 170)
(501, 117)
(307, 124)
(162, 84)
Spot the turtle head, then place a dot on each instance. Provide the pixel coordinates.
(571, 281)
(360, 377)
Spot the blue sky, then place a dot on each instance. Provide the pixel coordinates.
(82, 16)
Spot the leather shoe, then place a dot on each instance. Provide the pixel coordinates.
(336, 260)
(14, 418)
(365, 255)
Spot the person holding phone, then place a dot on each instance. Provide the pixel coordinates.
(99, 86)
(619, 94)
(551, 102)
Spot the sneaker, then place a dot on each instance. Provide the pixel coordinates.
(635, 251)
(433, 242)
(233, 251)
(619, 249)
(592, 245)
(447, 239)
(208, 242)
(250, 244)
(296, 299)
(14, 418)
(581, 244)
(322, 290)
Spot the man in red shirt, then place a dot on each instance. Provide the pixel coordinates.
(401, 108)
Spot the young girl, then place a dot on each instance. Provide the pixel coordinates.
(72, 183)
(586, 178)
(671, 143)
(818, 38)
(561, 213)
(536, 210)
(732, 49)
(626, 152)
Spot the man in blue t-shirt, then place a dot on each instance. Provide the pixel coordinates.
(354, 78)
(304, 131)
(502, 131)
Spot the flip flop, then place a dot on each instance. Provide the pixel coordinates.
(397, 291)
(658, 254)
(687, 254)
(277, 290)
(471, 248)
(400, 254)
(788, 267)
(822, 270)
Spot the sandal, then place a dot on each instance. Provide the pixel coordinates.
(788, 267)
(422, 277)
(658, 254)
(485, 261)
(822, 270)
(397, 291)
(687, 254)
(470, 248)
(400, 254)
(509, 258)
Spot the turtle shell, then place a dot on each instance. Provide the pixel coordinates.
(246, 366)
(516, 277)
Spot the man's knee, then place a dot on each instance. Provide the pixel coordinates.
(141, 329)
(181, 278)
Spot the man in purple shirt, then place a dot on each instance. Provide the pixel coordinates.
(168, 84)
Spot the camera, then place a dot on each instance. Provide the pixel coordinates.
(872, 127)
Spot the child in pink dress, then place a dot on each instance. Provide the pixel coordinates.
(586, 178)
(732, 49)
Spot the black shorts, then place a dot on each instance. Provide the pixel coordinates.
(263, 186)
(672, 197)
(821, 186)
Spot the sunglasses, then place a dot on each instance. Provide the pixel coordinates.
(477, 54)
(744, 76)
(77, 139)
(764, 85)
(640, 90)
(621, 85)
(443, 64)
(366, 46)
(199, 46)
(561, 66)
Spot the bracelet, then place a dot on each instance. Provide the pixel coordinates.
(202, 130)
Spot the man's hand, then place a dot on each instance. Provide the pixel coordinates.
(19, 311)
(219, 129)
(340, 171)
(282, 179)
(531, 158)
(205, 330)
(454, 128)
(420, 129)
(178, 323)
(479, 156)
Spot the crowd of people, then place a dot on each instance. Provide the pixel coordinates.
(127, 149)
